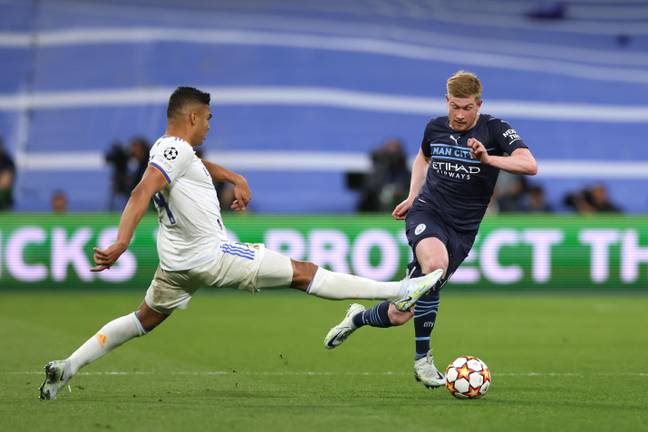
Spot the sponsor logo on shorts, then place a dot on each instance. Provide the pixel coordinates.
(419, 229)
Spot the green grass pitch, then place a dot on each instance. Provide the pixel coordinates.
(241, 362)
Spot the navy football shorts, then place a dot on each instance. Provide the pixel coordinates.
(422, 222)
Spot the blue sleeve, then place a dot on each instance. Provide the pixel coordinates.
(507, 138)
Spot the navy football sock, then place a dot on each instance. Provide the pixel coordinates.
(376, 316)
(425, 313)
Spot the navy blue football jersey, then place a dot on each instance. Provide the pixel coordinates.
(458, 187)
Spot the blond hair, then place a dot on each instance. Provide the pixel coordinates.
(463, 85)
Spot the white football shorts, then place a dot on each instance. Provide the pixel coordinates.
(245, 266)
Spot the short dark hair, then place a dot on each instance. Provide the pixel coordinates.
(183, 96)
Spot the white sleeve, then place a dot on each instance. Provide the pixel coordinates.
(172, 159)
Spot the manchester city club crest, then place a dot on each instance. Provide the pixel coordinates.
(171, 153)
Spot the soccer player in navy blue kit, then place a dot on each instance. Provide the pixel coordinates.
(453, 179)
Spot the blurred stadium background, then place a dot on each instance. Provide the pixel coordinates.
(303, 93)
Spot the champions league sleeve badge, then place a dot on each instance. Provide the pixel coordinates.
(171, 153)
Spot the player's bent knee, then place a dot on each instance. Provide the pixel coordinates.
(149, 318)
(431, 255)
(303, 273)
(397, 317)
(428, 266)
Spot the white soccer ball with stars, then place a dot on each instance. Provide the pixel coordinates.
(468, 378)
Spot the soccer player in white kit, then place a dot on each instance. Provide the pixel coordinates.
(193, 247)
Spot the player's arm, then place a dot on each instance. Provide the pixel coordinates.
(419, 173)
(152, 181)
(242, 193)
(520, 161)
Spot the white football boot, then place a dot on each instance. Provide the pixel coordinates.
(57, 375)
(342, 331)
(415, 288)
(426, 372)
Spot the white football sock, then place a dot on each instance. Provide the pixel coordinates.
(330, 285)
(113, 334)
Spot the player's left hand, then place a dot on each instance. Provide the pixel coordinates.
(242, 195)
(105, 258)
(478, 150)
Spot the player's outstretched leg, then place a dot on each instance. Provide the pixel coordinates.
(378, 315)
(276, 270)
(403, 294)
(57, 375)
(415, 288)
(112, 335)
(356, 317)
(343, 330)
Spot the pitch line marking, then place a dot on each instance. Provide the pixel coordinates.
(322, 373)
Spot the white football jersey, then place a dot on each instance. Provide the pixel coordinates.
(191, 226)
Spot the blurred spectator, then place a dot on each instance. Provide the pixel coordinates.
(139, 157)
(59, 202)
(535, 200)
(511, 193)
(117, 158)
(592, 200)
(387, 183)
(7, 177)
(128, 166)
(548, 11)
(598, 198)
(623, 39)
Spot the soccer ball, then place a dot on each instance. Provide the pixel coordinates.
(468, 378)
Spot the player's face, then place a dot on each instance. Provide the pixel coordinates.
(203, 115)
(463, 112)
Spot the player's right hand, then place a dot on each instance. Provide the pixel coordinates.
(401, 209)
(105, 258)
